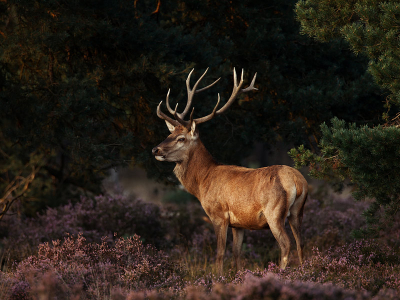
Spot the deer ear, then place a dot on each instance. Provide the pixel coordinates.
(170, 126)
(193, 131)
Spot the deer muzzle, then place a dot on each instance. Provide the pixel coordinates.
(157, 152)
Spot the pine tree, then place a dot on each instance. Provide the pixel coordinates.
(368, 156)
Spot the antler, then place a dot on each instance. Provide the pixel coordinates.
(179, 117)
(163, 116)
(237, 90)
(190, 92)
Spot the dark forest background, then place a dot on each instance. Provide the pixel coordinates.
(80, 82)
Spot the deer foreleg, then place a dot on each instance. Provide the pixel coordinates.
(221, 229)
(237, 245)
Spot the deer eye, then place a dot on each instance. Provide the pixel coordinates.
(181, 139)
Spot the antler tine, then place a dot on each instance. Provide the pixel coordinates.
(251, 86)
(235, 92)
(174, 113)
(167, 102)
(192, 91)
(163, 116)
(210, 116)
(178, 118)
(191, 118)
(234, 77)
(208, 86)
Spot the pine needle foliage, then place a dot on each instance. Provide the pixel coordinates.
(369, 156)
(370, 28)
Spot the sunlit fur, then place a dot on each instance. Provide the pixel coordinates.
(238, 197)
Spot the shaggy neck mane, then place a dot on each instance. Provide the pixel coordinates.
(194, 168)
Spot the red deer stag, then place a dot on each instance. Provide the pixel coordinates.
(233, 196)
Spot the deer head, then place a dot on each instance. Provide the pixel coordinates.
(176, 146)
(184, 134)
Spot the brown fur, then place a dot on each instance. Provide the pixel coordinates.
(238, 197)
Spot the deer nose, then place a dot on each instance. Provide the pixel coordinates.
(155, 150)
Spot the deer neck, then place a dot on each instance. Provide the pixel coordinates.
(192, 171)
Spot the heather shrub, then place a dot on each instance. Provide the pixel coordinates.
(248, 285)
(93, 217)
(391, 234)
(89, 266)
(6, 284)
(271, 287)
(97, 268)
(124, 215)
(331, 222)
(364, 264)
(257, 288)
(184, 222)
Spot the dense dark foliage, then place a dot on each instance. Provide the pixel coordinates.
(80, 82)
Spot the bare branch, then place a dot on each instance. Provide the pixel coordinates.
(16, 189)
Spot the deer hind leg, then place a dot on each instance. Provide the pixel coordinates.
(278, 230)
(295, 219)
(237, 245)
(221, 229)
(295, 225)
